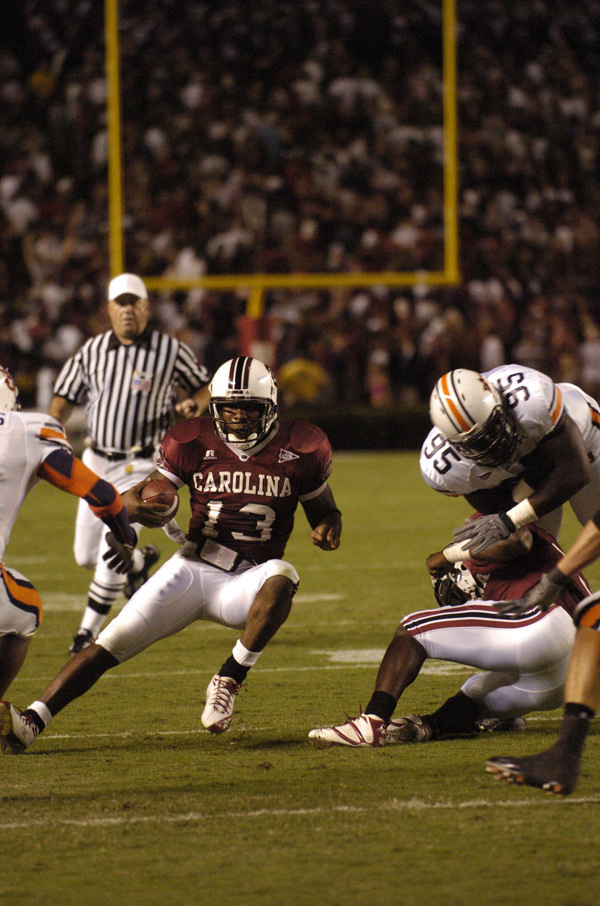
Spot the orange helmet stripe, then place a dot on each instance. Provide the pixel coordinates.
(558, 408)
(451, 405)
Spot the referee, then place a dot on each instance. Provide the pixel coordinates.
(128, 379)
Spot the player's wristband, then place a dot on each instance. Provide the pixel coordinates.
(522, 513)
(457, 551)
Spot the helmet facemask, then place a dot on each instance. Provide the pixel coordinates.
(458, 586)
(243, 384)
(248, 433)
(494, 442)
(9, 394)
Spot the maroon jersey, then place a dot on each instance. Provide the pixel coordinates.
(246, 502)
(511, 580)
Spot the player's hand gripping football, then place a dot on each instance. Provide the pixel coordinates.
(541, 595)
(119, 556)
(146, 512)
(482, 533)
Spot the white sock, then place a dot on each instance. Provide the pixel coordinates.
(42, 712)
(243, 656)
(92, 620)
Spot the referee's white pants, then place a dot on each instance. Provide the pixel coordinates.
(90, 532)
(526, 658)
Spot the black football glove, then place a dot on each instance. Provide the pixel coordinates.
(482, 533)
(541, 595)
(119, 556)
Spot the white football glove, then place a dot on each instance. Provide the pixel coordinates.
(482, 533)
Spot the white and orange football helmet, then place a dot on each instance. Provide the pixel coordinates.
(473, 416)
(9, 395)
(243, 383)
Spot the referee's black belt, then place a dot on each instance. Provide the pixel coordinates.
(145, 453)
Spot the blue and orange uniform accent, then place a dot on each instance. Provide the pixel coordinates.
(588, 612)
(22, 594)
(67, 473)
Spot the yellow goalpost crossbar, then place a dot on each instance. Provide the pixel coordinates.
(257, 283)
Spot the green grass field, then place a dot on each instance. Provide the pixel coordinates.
(126, 800)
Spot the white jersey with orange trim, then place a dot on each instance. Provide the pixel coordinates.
(537, 404)
(26, 439)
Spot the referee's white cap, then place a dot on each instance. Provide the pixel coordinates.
(126, 283)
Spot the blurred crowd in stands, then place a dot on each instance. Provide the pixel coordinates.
(306, 135)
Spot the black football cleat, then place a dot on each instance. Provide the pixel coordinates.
(82, 639)
(551, 771)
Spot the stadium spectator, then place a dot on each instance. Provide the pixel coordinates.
(280, 138)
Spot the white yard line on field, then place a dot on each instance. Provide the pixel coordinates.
(442, 669)
(394, 805)
(56, 602)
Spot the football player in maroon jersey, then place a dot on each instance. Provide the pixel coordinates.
(525, 658)
(245, 472)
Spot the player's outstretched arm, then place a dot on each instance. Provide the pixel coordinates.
(68, 473)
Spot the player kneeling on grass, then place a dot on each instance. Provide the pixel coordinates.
(33, 446)
(246, 473)
(525, 658)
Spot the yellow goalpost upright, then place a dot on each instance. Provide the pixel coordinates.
(256, 284)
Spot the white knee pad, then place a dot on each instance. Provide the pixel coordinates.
(281, 568)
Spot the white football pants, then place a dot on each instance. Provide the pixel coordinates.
(526, 658)
(181, 592)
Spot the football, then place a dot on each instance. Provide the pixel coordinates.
(160, 490)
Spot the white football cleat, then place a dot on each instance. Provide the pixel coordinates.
(411, 728)
(16, 732)
(218, 711)
(366, 730)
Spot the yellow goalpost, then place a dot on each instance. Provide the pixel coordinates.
(256, 284)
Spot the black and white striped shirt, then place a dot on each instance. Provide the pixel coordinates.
(129, 391)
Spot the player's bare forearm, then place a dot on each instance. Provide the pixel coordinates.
(517, 545)
(325, 520)
(583, 551)
(561, 458)
(60, 409)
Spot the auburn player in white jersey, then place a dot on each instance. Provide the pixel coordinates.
(525, 658)
(34, 446)
(245, 472)
(517, 446)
